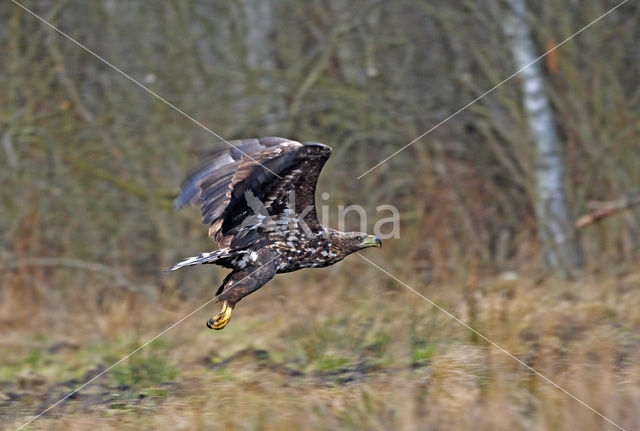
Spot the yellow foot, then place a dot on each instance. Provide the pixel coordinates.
(220, 320)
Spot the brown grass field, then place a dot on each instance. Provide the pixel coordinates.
(308, 351)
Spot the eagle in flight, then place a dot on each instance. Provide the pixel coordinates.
(258, 198)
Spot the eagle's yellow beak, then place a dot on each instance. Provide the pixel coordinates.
(371, 241)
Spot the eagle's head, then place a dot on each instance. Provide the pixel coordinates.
(364, 240)
(350, 242)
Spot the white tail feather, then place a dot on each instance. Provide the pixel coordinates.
(210, 257)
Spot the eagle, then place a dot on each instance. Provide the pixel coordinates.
(258, 198)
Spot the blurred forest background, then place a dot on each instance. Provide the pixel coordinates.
(90, 162)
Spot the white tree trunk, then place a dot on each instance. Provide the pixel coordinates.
(555, 226)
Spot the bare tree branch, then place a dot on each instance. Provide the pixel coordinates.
(603, 210)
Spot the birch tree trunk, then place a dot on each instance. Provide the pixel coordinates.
(555, 226)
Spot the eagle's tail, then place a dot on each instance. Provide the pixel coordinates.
(210, 257)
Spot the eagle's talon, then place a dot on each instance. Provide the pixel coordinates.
(220, 320)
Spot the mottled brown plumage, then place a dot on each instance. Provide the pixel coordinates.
(258, 198)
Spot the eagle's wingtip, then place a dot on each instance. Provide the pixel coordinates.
(318, 148)
(179, 202)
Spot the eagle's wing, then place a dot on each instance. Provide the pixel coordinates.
(269, 169)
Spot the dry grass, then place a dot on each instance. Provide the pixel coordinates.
(310, 351)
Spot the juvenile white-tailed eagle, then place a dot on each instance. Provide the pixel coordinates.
(258, 196)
